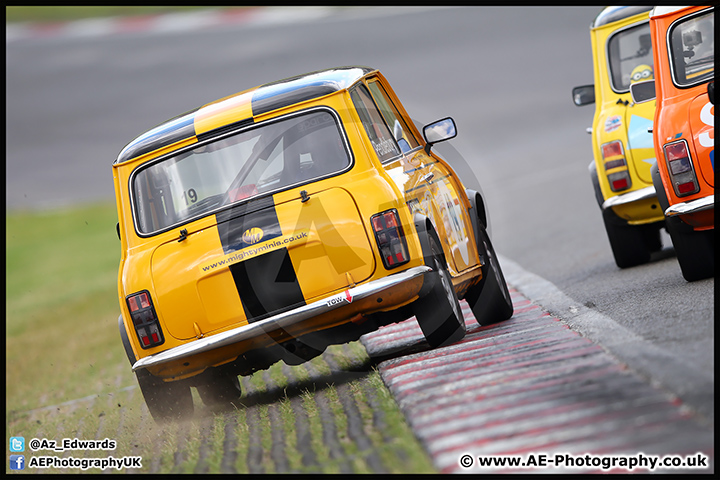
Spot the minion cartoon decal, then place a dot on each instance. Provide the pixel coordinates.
(641, 73)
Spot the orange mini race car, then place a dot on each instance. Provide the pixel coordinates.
(270, 224)
(683, 131)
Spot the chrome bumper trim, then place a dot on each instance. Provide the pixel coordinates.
(697, 205)
(642, 194)
(282, 320)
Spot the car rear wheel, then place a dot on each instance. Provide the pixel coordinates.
(167, 401)
(694, 250)
(438, 313)
(218, 389)
(651, 237)
(490, 299)
(631, 244)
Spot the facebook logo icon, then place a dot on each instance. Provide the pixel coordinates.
(17, 462)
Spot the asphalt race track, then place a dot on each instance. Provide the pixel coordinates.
(634, 347)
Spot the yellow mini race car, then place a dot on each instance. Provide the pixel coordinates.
(270, 224)
(622, 141)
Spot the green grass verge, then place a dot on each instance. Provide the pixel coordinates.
(67, 375)
(62, 306)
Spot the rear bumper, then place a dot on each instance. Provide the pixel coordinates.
(693, 206)
(630, 197)
(283, 321)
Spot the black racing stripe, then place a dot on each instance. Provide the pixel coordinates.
(278, 96)
(234, 222)
(303, 87)
(267, 284)
(174, 130)
(225, 128)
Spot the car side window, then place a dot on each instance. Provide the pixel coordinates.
(382, 140)
(630, 57)
(400, 130)
(692, 49)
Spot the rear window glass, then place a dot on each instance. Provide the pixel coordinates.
(272, 156)
(692, 49)
(630, 57)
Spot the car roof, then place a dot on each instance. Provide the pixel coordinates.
(663, 10)
(613, 14)
(241, 108)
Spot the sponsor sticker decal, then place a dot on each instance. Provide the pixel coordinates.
(257, 248)
(253, 235)
(346, 296)
(612, 123)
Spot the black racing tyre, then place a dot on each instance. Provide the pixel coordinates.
(218, 389)
(490, 299)
(694, 250)
(628, 242)
(167, 401)
(438, 312)
(651, 236)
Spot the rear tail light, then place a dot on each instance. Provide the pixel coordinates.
(390, 238)
(614, 158)
(145, 320)
(619, 181)
(680, 168)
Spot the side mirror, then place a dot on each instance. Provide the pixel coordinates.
(439, 132)
(642, 92)
(711, 92)
(583, 95)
